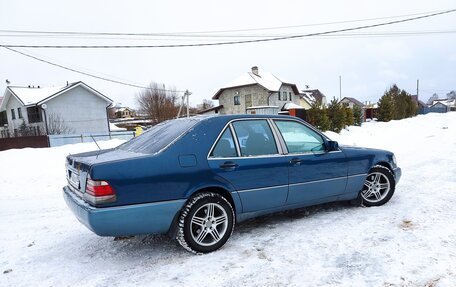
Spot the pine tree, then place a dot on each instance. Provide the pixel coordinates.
(336, 114)
(323, 120)
(385, 108)
(357, 115)
(349, 116)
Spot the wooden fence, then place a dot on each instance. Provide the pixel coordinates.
(22, 142)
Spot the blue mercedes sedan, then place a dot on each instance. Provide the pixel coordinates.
(194, 178)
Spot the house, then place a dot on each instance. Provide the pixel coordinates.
(351, 102)
(315, 96)
(370, 111)
(256, 93)
(211, 111)
(119, 112)
(74, 108)
(450, 104)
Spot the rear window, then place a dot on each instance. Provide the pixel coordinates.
(158, 137)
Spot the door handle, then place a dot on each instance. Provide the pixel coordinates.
(295, 161)
(229, 165)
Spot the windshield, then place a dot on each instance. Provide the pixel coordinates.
(159, 136)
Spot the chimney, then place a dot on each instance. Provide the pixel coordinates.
(255, 70)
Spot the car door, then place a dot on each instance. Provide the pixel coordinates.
(314, 173)
(248, 156)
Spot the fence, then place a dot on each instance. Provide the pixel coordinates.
(59, 140)
(22, 142)
(424, 111)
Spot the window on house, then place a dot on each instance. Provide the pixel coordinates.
(289, 94)
(237, 100)
(34, 115)
(280, 98)
(13, 114)
(3, 119)
(19, 113)
(284, 96)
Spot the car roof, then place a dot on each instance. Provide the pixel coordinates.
(243, 116)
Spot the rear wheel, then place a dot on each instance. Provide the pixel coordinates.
(206, 222)
(378, 187)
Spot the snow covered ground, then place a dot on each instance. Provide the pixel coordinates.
(411, 241)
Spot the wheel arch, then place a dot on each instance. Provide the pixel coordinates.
(385, 164)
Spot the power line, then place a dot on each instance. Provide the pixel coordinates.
(215, 31)
(88, 74)
(207, 37)
(231, 42)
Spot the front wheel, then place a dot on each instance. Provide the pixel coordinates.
(206, 222)
(378, 187)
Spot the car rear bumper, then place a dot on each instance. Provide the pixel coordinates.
(148, 218)
(397, 174)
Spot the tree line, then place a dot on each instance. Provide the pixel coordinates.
(396, 104)
(335, 116)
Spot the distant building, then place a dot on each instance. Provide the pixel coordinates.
(370, 111)
(73, 108)
(119, 112)
(256, 93)
(351, 103)
(315, 96)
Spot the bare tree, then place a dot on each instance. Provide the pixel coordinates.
(207, 104)
(158, 103)
(56, 125)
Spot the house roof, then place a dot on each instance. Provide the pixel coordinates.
(210, 109)
(267, 80)
(316, 94)
(353, 100)
(29, 96)
(292, 106)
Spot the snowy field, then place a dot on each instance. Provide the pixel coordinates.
(411, 241)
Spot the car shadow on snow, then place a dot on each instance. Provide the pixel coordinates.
(278, 218)
(161, 249)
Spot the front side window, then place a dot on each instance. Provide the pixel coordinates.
(289, 94)
(13, 114)
(225, 146)
(300, 138)
(237, 101)
(255, 138)
(284, 96)
(19, 113)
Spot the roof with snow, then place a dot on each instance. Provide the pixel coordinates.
(353, 100)
(292, 106)
(267, 80)
(29, 96)
(315, 94)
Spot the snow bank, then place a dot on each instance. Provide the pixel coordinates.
(411, 241)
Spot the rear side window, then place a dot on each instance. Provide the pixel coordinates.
(159, 136)
(255, 138)
(225, 146)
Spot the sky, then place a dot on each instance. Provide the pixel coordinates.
(367, 65)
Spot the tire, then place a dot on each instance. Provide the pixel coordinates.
(378, 187)
(205, 223)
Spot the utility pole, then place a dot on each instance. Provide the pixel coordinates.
(186, 94)
(340, 88)
(417, 88)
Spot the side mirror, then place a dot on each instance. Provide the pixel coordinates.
(332, 146)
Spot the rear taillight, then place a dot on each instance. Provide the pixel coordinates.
(99, 191)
